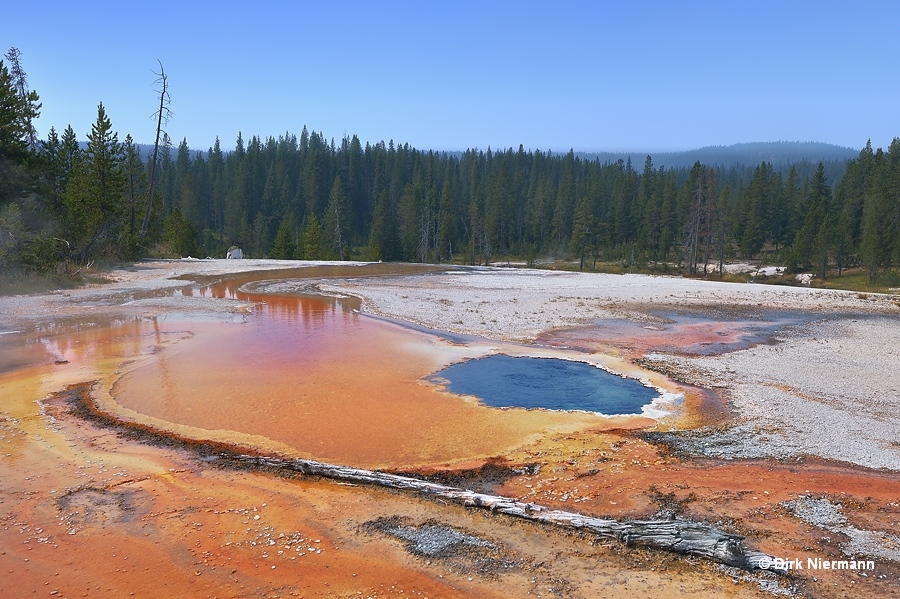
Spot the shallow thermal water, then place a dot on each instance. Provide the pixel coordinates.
(680, 332)
(551, 383)
(313, 374)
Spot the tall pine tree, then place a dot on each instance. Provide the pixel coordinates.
(94, 193)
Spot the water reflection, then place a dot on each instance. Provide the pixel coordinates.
(88, 340)
(287, 294)
(308, 310)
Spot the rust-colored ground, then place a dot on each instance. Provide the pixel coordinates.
(89, 513)
(85, 511)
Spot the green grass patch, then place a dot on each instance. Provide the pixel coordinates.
(857, 280)
(24, 282)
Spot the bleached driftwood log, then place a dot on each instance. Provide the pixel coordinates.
(680, 536)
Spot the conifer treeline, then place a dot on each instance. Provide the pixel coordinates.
(308, 198)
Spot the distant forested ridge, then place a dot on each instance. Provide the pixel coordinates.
(310, 197)
(744, 157)
(753, 153)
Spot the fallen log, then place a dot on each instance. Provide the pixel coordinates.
(679, 536)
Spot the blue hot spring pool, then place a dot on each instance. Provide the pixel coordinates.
(504, 381)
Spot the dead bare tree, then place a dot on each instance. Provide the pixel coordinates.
(162, 116)
(695, 219)
(710, 216)
(20, 80)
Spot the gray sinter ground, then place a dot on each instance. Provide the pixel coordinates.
(861, 543)
(459, 550)
(829, 388)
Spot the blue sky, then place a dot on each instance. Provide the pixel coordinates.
(643, 76)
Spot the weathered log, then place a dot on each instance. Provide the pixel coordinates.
(679, 536)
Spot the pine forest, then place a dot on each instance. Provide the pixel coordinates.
(65, 203)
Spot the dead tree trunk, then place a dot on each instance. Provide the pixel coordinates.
(679, 536)
(163, 114)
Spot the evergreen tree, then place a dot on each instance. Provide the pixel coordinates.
(722, 233)
(259, 237)
(812, 242)
(94, 193)
(880, 243)
(892, 186)
(409, 210)
(360, 203)
(217, 187)
(383, 241)
(499, 217)
(623, 209)
(285, 245)
(314, 246)
(337, 221)
(135, 197)
(875, 233)
(446, 218)
(477, 232)
(235, 209)
(648, 208)
(582, 231)
(711, 219)
(756, 206)
(668, 214)
(55, 171)
(565, 202)
(186, 188)
(179, 236)
(787, 217)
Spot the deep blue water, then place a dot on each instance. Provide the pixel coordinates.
(503, 381)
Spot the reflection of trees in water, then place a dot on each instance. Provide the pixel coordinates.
(100, 338)
(292, 290)
(86, 338)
